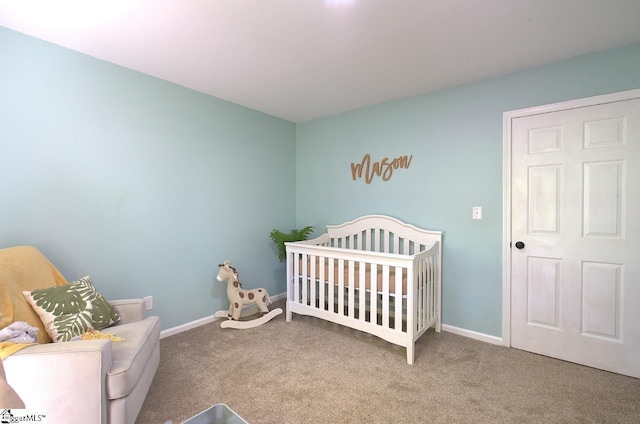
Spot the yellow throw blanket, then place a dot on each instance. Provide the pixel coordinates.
(9, 348)
(24, 268)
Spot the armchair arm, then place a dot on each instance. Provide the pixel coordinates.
(65, 381)
(8, 397)
(130, 310)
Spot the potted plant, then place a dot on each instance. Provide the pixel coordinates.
(279, 238)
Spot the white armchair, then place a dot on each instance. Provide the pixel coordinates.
(87, 381)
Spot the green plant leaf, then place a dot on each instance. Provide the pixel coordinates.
(279, 238)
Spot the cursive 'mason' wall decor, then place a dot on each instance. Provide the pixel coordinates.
(383, 168)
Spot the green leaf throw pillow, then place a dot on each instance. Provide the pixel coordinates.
(71, 310)
(103, 314)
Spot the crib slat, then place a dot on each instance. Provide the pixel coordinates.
(432, 288)
(385, 296)
(331, 297)
(373, 317)
(305, 279)
(351, 288)
(296, 273)
(386, 242)
(422, 296)
(341, 286)
(420, 303)
(424, 276)
(321, 284)
(312, 281)
(362, 302)
(418, 312)
(398, 299)
(412, 302)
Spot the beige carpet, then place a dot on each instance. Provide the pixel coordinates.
(311, 371)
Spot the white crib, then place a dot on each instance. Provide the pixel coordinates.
(375, 274)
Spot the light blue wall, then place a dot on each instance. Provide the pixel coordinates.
(146, 185)
(455, 137)
(142, 184)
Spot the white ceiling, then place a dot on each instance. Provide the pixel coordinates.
(302, 59)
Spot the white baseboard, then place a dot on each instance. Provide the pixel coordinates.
(445, 327)
(473, 334)
(206, 320)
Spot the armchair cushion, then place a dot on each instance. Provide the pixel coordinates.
(70, 310)
(140, 340)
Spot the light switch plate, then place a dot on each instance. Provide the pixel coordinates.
(477, 212)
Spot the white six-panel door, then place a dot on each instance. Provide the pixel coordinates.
(575, 216)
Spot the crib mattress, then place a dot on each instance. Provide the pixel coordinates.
(356, 275)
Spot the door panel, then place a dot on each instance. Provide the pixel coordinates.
(543, 291)
(604, 196)
(575, 187)
(601, 288)
(545, 188)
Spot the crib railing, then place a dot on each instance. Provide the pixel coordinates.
(371, 240)
(392, 295)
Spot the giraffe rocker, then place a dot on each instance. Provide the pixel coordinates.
(239, 297)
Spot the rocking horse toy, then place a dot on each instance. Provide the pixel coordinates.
(239, 297)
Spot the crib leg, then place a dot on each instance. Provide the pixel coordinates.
(411, 351)
(289, 314)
